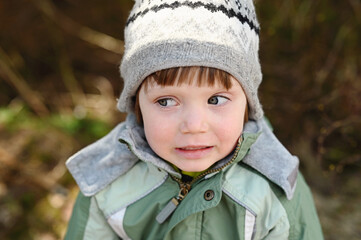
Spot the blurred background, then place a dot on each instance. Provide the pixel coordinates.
(59, 82)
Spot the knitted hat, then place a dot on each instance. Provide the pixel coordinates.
(162, 34)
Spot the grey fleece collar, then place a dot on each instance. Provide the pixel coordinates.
(269, 157)
(99, 164)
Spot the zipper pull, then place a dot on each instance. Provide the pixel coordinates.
(172, 204)
(167, 211)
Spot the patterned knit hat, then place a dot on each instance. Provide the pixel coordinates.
(162, 34)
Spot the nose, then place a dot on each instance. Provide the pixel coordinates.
(194, 121)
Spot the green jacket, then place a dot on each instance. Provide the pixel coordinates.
(127, 192)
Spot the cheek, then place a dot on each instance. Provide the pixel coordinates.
(230, 127)
(159, 136)
(230, 132)
(157, 129)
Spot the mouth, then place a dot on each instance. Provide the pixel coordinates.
(193, 148)
(194, 152)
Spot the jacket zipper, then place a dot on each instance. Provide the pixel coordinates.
(185, 187)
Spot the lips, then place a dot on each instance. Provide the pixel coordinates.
(194, 152)
(193, 148)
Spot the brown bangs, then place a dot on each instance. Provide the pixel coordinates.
(205, 76)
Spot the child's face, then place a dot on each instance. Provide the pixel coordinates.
(192, 126)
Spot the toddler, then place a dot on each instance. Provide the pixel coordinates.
(195, 158)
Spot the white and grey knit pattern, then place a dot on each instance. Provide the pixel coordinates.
(162, 34)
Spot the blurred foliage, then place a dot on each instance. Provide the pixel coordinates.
(59, 81)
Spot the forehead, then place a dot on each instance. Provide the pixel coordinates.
(189, 88)
(197, 76)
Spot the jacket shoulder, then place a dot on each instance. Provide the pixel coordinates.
(128, 188)
(88, 222)
(301, 211)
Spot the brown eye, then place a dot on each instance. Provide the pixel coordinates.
(166, 102)
(213, 100)
(163, 102)
(217, 100)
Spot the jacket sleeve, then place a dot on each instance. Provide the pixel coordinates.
(301, 212)
(88, 222)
